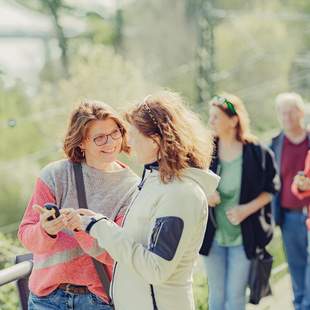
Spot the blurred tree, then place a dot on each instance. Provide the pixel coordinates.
(20, 135)
(105, 30)
(159, 41)
(299, 13)
(15, 111)
(96, 72)
(205, 54)
(101, 28)
(52, 8)
(254, 62)
(201, 14)
(99, 31)
(119, 25)
(32, 128)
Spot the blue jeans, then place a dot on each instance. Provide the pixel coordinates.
(61, 300)
(227, 272)
(297, 249)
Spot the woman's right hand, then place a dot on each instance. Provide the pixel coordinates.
(214, 199)
(52, 227)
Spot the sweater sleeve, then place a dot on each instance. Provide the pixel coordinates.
(30, 232)
(91, 247)
(176, 223)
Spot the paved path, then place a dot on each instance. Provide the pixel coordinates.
(281, 299)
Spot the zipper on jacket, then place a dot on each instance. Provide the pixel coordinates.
(125, 216)
(154, 237)
(155, 234)
(153, 298)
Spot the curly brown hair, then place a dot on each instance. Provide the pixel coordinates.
(183, 140)
(80, 119)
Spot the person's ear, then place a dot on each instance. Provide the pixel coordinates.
(82, 146)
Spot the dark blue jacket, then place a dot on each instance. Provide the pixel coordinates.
(258, 175)
(276, 146)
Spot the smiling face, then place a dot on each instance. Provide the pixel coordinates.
(96, 151)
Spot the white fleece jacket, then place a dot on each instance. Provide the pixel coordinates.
(157, 247)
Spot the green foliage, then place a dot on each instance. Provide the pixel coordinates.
(161, 43)
(254, 71)
(14, 112)
(260, 50)
(201, 291)
(16, 185)
(97, 73)
(100, 31)
(19, 136)
(10, 247)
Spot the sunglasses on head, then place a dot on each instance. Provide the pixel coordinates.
(224, 102)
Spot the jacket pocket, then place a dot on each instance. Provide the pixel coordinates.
(166, 235)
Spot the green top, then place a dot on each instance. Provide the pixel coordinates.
(229, 188)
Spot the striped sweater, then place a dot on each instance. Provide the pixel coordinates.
(67, 258)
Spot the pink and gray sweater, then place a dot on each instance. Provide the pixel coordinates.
(67, 258)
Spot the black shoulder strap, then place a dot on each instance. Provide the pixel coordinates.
(81, 195)
(80, 188)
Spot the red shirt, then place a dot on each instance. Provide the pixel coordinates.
(292, 161)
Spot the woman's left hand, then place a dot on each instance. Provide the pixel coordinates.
(237, 214)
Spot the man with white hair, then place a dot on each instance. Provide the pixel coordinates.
(290, 148)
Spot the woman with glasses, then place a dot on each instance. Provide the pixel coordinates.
(233, 232)
(64, 275)
(162, 232)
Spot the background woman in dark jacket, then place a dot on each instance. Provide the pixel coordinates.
(234, 229)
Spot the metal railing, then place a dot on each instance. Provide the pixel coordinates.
(20, 271)
(23, 269)
(15, 272)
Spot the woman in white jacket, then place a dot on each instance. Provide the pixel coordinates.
(158, 244)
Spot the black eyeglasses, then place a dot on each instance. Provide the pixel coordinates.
(223, 101)
(103, 139)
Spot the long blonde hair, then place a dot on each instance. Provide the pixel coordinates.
(183, 139)
(243, 131)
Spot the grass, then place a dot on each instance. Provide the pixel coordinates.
(200, 281)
